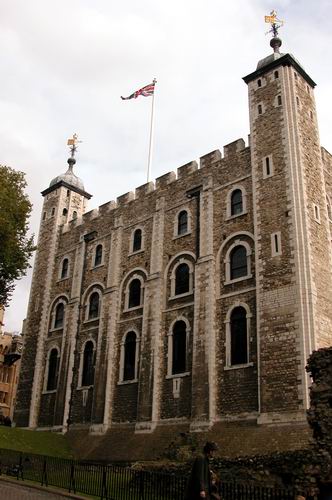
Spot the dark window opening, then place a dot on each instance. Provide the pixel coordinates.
(182, 279)
(68, 192)
(94, 306)
(64, 211)
(137, 240)
(276, 74)
(88, 371)
(183, 222)
(267, 165)
(52, 375)
(298, 101)
(259, 83)
(276, 243)
(134, 293)
(236, 202)
(129, 357)
(44, 215)
(179, 348)
(239, 343)
(74, 214)
(238, 262)
(260, 109)
(98, 255)
(65, 267)
(53, 211)
(59, 315)
(279, 100)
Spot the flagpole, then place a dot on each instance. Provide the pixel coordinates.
(151, 132)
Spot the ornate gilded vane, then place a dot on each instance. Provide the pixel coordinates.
(275, 23)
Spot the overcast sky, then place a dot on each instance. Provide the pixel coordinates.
(65, 64)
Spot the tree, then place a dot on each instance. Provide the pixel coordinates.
(15, 246)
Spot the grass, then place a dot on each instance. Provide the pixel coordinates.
(39, 442)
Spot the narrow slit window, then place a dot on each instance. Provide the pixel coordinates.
(276, 74)
(275, 244)
(259, 83)
(260, 109)
(279, 100)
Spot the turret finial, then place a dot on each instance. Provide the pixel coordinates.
(72, 142)
(276, 23)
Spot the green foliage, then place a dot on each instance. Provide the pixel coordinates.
(15, 247)
(39, 442)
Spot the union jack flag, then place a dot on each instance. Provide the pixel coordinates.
(144, 91)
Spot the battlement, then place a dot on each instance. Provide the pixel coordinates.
(183, 172)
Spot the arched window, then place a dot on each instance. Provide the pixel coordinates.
(238, 262)
(182, 279)
(52, 372)
(137, 240)
(98, 255)
(59, 315)
(88, 370)
(134, 299)
(238, 340)
(129, 366)
(179, 348)
(93, 306)
(183, 222)
(64, 269)
(236, 202)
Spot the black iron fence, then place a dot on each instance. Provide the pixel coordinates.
(111, 482)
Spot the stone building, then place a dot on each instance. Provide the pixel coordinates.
(194, 302)
(10, 356)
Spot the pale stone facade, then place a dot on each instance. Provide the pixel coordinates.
(255, 243)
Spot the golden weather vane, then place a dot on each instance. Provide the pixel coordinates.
(275, 23)
(72, 142)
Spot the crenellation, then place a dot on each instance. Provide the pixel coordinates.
(145, 189)
(125, 198)
(234, 147)
(108, 207)
(187, 169)
(210, 158)
(92, 214)
(165, 179)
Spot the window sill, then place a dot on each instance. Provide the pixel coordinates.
(91, 320)
(238, 367)
(237, 280)
(127, 382)
(62, 279)
(231, 217)
(132, 308)
(56, 330)
(96, 267)
(49, 392)
(177, 236)
(178, 375)
(136, 252)
(82, 387)
(174, 297)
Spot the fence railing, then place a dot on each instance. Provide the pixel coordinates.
(112, 482)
